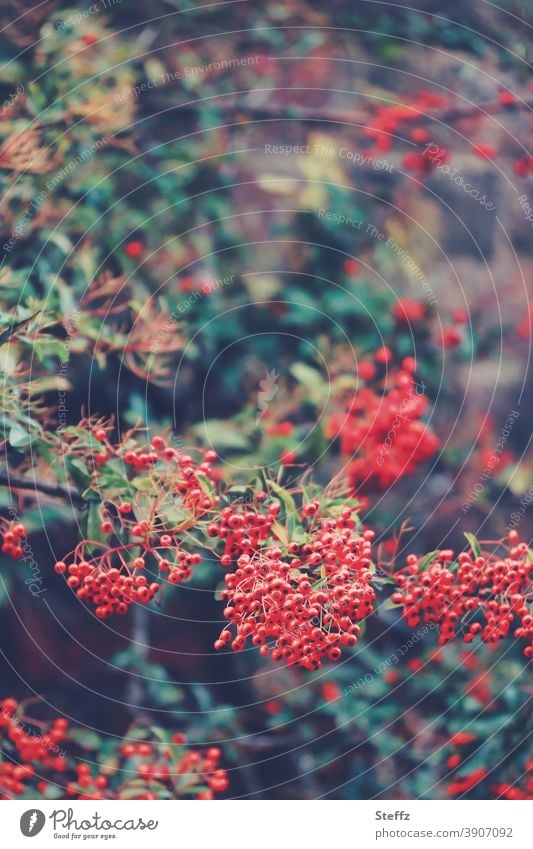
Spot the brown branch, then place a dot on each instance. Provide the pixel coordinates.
(54, 490)
(363, 117)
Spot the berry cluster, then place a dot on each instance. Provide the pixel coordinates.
(176, 768)
(111, 589)
(515, 792)
(243, 530)
(185, 476)
(464, 783)
(35, 749)
(382, 425)
(303, 603)
(467, 740)
(141, 534)
(424, 161)
(136, 769)
(88, 783)
(479, 594)
(388, 119)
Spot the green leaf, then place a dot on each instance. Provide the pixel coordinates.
(19, 436)
(289, 506)
(206, 485)
(93, 523)
(474, 544)
(219, 590)
(280, 532)
(427, 560)
(317, 388)
(143, 484)
(221, 434)
(85, 738)
(237, 494)
(78, 472)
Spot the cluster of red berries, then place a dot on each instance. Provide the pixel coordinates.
(88, 784)
(424, 161)
(461, 784)
(408, 311)
(464, 783)
(135, 770)
(387, 119)
(110, 574)
(177, 769)
(243, 529)
(300, 604)
(478, 594)
(513, 791)
(185, 475)
(461, 738)
(11, 539)
(111, 589)
(33, 750)
(381, 425)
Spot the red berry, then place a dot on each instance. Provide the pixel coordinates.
(9, 705)
(288, 458)
(383, 355)
(179, 739)
(366, 370)
(419, 135)
(351, 267)
(506, 98)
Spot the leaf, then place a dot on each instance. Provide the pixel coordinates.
(93, 523)
(78, 472)
(300, 535)
(289, 505)
(281, 533)
(221, 434)
(474, 544)
(206, 485)
(10, 331)
(238, 495)
(312, 380)
(85, 738)
(276, 185)
(219, 590)
(262, 287)
(144, 483)
(427, 560)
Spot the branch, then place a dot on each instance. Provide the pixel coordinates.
(54, 490)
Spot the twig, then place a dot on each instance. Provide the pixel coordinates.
(54, 490)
